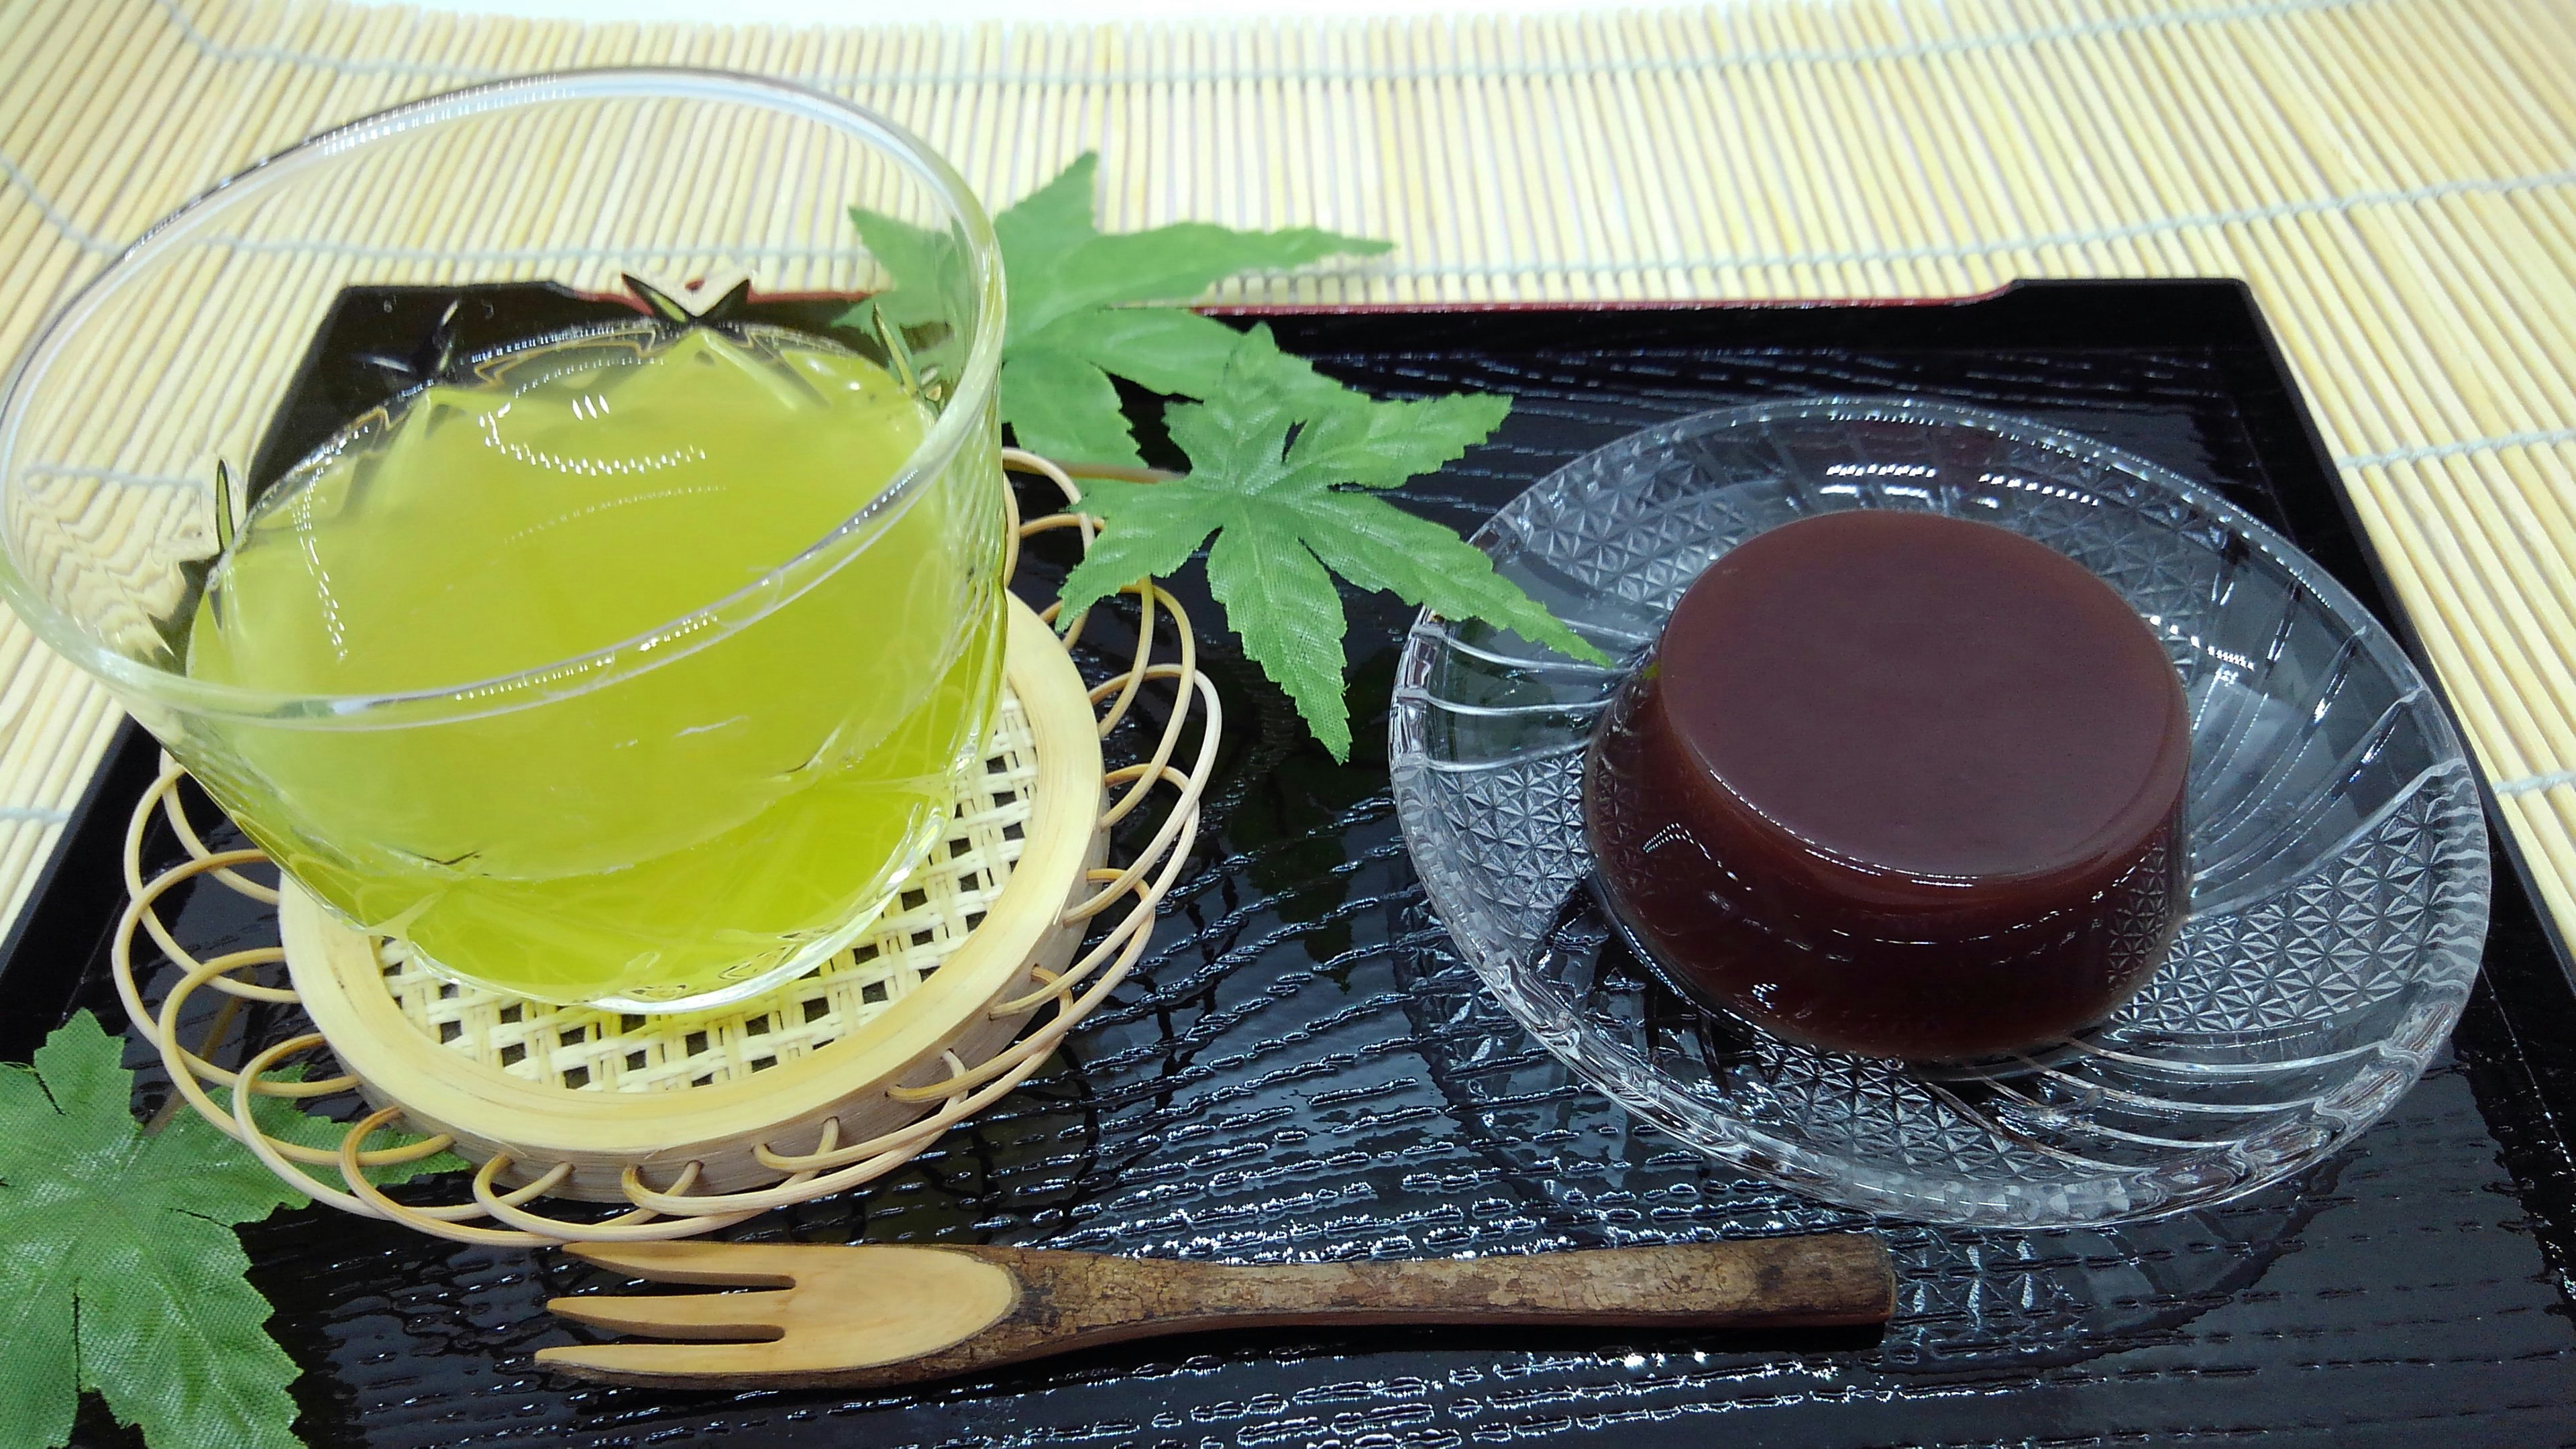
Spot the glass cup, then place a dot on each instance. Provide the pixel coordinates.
(658, 767)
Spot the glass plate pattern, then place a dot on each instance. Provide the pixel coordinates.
(2339, 859)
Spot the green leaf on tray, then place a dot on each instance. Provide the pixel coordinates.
(119, 1270)
(1273, 451)
(1073, 320)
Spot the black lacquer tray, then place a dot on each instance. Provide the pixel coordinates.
(1302, 1069)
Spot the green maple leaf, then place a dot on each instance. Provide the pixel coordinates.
(1073, 319)
(119, 1270)
(1271, 451)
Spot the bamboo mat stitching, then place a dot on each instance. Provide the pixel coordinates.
(74, 232)
(2543, 439)
(2276, 211)
(2106, 27)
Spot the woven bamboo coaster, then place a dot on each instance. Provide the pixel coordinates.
(699, 1119)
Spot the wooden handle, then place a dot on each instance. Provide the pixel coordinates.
(1074, 1300)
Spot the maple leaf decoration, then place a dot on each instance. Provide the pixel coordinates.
(1272, 448)
(1072, 321)
(1270, 452)
(119, 1270)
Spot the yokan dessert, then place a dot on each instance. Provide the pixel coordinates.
(1898, 784)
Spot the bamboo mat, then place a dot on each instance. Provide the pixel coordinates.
(2397, 179)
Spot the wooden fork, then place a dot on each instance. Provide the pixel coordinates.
(875, 1315)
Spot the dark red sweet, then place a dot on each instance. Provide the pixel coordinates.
(1898, 784)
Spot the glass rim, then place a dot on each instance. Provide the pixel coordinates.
(673, 638)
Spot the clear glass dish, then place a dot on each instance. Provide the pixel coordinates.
(2339, 858)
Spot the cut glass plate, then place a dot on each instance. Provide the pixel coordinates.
(2339, 859)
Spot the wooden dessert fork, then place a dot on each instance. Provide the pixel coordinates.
(876, 1315)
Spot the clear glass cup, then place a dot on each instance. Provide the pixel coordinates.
(688, 808)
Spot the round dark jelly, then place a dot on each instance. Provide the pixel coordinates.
(1898, 784)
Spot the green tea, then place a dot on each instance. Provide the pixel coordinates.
(597, 802)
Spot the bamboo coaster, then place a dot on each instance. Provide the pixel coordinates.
(948, 972)
(700, 1119)
(587, 1049)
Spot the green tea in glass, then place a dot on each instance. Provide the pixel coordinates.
(633, 663)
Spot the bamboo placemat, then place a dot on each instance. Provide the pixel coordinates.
(2397, 179)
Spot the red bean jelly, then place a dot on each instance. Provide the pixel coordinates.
(1898, 784)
